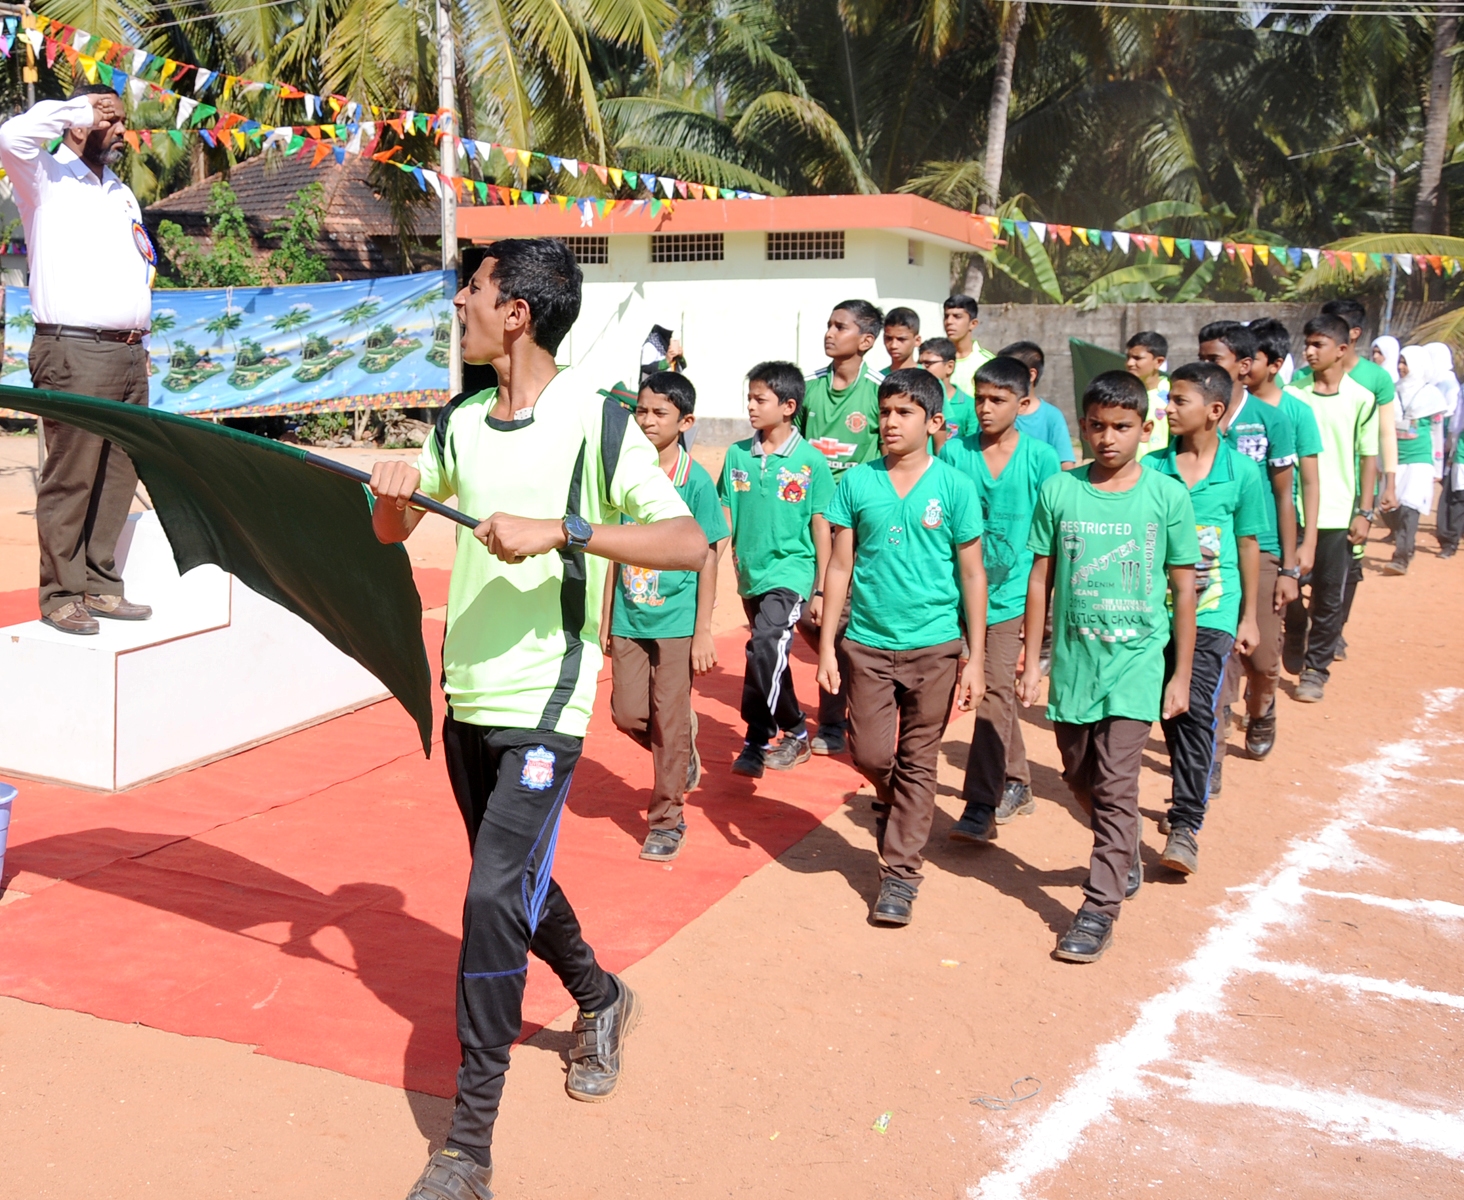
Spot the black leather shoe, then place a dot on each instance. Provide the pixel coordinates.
(1293, 653)
(662, 845)
(1086, 939)
(452, 1175)
(1260, 734)
(1217, 771)
(594, 1063)
(977, 824)
(1135, 878)
(1181, 851)
(750, 761)
(1016, 801)
(895, 904)
(1448, 551)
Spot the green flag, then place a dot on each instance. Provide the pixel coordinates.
(1089, 361)
(292, 532)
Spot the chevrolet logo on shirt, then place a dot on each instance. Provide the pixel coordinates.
(832, 448)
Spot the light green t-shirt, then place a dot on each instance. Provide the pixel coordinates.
(964, 376)
(843, 425)
(1264, 434)
(773, 499)
(509, 660)
(1230, 503)
(1007, 503)
(662, 604)
(1368, 373)
(907, 587)
(1110, 620)
(959, 414)
(1348, 425)
(1159, 414)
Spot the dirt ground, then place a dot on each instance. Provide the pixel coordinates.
(1288, 1020)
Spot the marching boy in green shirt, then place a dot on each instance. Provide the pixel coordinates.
(958, 416)
(1230, 506)
(775, 487)
(659, 625)
(909, 535)
(1008, 468)
(840, 417)
(1104, 537)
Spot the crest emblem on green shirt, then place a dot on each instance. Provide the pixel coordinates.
(1073, 546)
(856, 422)
(931, 519)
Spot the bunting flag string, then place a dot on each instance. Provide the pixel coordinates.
(120, 66)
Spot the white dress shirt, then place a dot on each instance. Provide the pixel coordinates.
(86, 263)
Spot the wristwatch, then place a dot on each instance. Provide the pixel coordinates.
(1290, 572)
(1370, 513)
(577, 532)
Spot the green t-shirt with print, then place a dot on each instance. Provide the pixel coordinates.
(1230, 503)
(508, 660)
(906, 590)
(959, 414)
(842, 424)
(1347, 421)
(1007, 503)
(773, 499)
(1371, 375)
(1415, 441)
(1264, 434)
(662, 604)
(1110, 620)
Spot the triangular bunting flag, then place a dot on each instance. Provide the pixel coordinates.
(1107, 237)
(1065, 232)
(603, 173)
(617, 176)
(1082, 234)
(1405, 261)
(1008, 225)
(185, 110)
(1168, 244)
(1186, 247)
(1264, 254)
(1039, 230)
(1122, 239)
(1248, 253)
(1360, 260)
(1313, 255)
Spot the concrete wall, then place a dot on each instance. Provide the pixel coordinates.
(735, 313)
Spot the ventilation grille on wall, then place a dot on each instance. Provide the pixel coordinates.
(821, 243)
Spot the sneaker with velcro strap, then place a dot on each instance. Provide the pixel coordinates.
(452, 1175)
(595, 1062)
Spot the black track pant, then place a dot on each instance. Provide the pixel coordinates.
(1451, 513)
(1319, 623)
(768, 702)
(510, 785)
(1191, 735)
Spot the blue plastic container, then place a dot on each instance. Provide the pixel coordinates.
(7, 794)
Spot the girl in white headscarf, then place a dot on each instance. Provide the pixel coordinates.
(1385, 354)
(1419, 402)
(1447, 383)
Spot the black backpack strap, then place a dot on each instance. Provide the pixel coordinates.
(613, 421)
(439, 428)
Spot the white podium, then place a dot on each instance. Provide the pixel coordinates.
(216, 670)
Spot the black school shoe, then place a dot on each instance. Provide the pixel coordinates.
(1135, 878)
(791, 750)
(895, 905)
(1217, 772)
(977, 824)
(1260, 734)
(452, 1175)
(1293, 653)
(1086, 939)
(1016, 801)
(1181, 851)
(662, 845)
(750, 761)
(594, 1063)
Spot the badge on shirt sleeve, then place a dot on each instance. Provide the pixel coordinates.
(145, 248)
(538, 772)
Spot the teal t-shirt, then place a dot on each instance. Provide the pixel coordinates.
(907, 586)
(1046, 424)
(1007, 503)
(1308, 443)
(842, 425)
(959, 414)
(1110, 620)
(1265, 436)
(1231, 502)
(662, 604)
(773, 499)
(1415, 441)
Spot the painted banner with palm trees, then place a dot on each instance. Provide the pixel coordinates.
(261, 351)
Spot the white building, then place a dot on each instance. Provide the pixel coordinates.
(740, 281)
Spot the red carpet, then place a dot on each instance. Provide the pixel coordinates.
(305, 896)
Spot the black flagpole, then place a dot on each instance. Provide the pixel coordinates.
(418, 500)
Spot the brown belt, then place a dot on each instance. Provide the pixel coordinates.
(130, 337)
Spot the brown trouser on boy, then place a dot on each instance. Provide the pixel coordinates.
(998, 754)
(650, 702)
(1100, 763)
(899, 703)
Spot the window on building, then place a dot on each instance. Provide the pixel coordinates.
(686, 247)
(588, 251)
(821, 243)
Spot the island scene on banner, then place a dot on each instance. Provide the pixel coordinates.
(262, 351)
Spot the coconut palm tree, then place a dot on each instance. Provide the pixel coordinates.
(224, 325)
(297, 316)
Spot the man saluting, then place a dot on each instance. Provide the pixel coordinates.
(91, 273)
(520, 661)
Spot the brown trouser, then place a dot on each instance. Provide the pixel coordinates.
(899, 703)
(87, 483)
(1100, 763)
(997, 751)
(1262, 667)
(650, 702)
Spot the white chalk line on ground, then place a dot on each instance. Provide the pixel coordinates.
(1413, 908)
(1349, 1113)
(1450, 836)
(1394, 989)
(1120, 1067)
